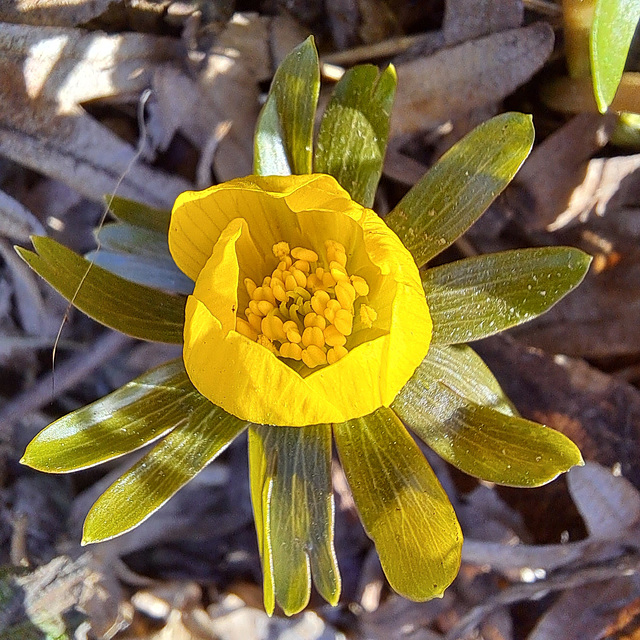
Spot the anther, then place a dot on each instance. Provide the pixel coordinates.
(360, 285)
(319, 301)
(272, 327)
(313, 356)
(264, 306)
(332, 307)
(300, 253)
(293, 351)
(303, 311)
(313, 335)
(333, 337)
(250, 286)
(243, 327)
(335, 354)
(343, 322)
(345, 294)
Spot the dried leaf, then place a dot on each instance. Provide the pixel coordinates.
(454, 81)
(43, 76)
(609, 505)
(233, 91)
(77, 150)
(69, 66)
(586, 612)
(608, 184)
(16, 221)
(62, 13)
(469, 19)
(544, 185)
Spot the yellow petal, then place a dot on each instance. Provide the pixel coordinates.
(199, 217)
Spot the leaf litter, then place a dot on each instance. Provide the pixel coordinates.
(76, 123)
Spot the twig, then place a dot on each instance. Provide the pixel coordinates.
(385, 49)
(625, 566)
(544, 7)
(67, 375)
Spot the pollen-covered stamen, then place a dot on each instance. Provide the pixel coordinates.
(303, 310)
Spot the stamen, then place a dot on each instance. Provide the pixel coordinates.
(300, 253)
(335, 354)
(305, 310)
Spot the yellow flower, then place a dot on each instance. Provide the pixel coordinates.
(306, 309)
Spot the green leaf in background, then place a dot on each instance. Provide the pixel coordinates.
(140, 255)
(290, 471)
(127, 238)
(173, 462)
(152, 272)
(354, 129)
(476, 438)
(138, 413)
(614, 24)
(457, 190)
(131, 308)
(477, 297)
(284, 132)
(463, 371)
(139, 215)
(401, 503)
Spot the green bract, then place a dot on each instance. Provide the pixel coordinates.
(614, 23)
(452, 402)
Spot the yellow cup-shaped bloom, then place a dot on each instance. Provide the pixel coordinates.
(334, 331)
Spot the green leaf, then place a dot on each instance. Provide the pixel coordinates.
(463, 371)
(173, 462)
(354, 129)
(401, 503)
(153, 272)
(134, 309)
(139, 255)
(290, 470)
(461, 185)
(477, 297)
(138, 413)
(284, 132)
(477, 438)
(127, 238)
(614, 24)
(139, 215)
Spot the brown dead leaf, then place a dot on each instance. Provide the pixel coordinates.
(60, 13)
(246, 37)
(608, 184)
(454, 81)
(584, 613)
(70, 66)
(54, 589)
(608, 504)
(544, 185)
(600, 319)
(42, 129)
(470, 19)
(234, 93)
(16, 221)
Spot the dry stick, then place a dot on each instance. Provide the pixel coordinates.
(67, 375)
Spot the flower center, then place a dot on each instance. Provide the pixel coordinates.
(305, 311)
